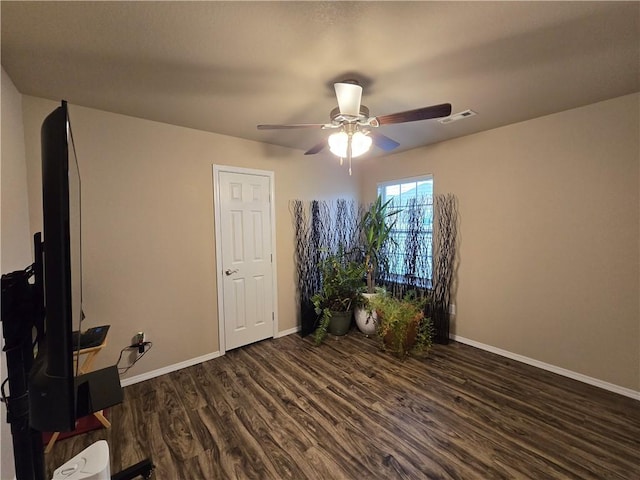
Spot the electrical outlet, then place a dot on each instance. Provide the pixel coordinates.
(140, 342)
(452, 309)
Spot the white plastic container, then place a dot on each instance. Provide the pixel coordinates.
(90, 464)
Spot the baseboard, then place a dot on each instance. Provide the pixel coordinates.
(187, 363)
(284, 333)
(627, 392)
(168, 369)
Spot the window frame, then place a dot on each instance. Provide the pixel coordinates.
(400, 278)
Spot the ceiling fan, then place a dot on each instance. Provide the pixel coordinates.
(353, 125)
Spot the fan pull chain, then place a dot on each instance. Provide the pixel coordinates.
(349, 152)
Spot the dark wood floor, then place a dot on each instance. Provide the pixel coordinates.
(284, 409)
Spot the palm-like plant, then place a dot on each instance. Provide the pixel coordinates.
(377, 224)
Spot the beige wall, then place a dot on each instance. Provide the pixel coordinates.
(16, 239)
(148, 232)
(549, 234)
(15, 252)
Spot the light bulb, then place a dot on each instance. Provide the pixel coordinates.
(360, 143)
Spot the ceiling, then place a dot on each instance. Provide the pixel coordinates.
(225, 67)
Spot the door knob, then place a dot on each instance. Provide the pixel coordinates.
(230, 272)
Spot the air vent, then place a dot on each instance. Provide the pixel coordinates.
(458, 116)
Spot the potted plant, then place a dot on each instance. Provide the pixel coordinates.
(402, 325)
(376, 226)
(341, 287)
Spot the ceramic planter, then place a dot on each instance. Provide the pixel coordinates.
(367, 320)
(340, 323)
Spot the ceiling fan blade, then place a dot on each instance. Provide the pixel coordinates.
(349, 96)
(292, 125)
(425, 113)
(316, 148)
(382, 141)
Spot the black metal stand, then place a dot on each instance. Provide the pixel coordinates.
(18, 319)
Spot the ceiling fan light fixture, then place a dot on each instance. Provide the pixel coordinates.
(360, 144)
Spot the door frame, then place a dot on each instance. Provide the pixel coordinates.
(218, 245)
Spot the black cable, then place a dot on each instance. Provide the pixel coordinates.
(120, 357)
(4, 396)
(123, 370)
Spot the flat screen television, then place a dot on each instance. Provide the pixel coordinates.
(51, 381)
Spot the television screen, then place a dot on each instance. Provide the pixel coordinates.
(75, 232)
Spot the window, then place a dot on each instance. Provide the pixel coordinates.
(410, 254)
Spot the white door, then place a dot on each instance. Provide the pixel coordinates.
(244, 236)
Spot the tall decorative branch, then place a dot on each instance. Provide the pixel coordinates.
(407, 263)
(417, 242)
(444, 257)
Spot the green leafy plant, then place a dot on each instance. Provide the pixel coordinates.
(341, 287)
(376, 226)
(402, 326)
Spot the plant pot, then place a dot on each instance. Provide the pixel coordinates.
(340, 323)
(403, 345)
(367, 320)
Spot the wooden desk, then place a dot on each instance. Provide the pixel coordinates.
(86, 367)
(87, 363)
